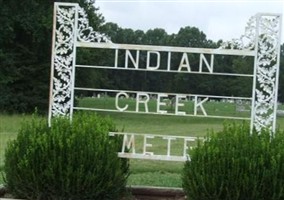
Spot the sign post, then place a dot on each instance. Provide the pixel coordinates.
(261, 41)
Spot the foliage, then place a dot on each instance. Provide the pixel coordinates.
(25, 51)
(75, 160)
(234, 164)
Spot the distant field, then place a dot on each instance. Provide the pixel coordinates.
(211, 108)
(143, 172)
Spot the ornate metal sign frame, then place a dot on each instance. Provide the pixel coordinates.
(261, 40)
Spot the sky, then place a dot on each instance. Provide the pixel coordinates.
(217, 19)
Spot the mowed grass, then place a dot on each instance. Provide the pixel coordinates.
(161, 173)
(211, 108)
(9, 126)
(164, 173)
(143, 172)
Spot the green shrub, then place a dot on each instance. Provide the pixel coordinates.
(75, 160)
(236, 165)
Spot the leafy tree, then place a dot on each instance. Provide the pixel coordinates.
(189, 37)
(25, 51)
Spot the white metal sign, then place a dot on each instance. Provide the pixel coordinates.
(129, 146)
(261, 41)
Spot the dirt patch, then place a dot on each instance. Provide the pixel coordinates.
(156, 193)
(135, 193)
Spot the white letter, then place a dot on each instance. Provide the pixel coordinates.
(115, 58)
(169, 61)
(140, 100)
(185, 147)
(159, 103)
(147, 145)
(209, 67)
(148, 60)
(196, 105)
(169, 144)
(116, 101)
(128, 144)
(182, 64)
(128, 55)
(178, 97)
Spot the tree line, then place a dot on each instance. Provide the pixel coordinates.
(25, 55)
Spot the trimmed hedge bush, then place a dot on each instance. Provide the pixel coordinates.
(69, 161)
(236, 165)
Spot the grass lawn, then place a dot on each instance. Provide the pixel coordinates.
(161, 173)
(143, 172)
(212, 108)
(164, 173)
(9, 126)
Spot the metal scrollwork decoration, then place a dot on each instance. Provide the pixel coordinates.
(62, 61)
(247, 40)
(267, 72)
(71, 25)
(85, 32)
(262, 35)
